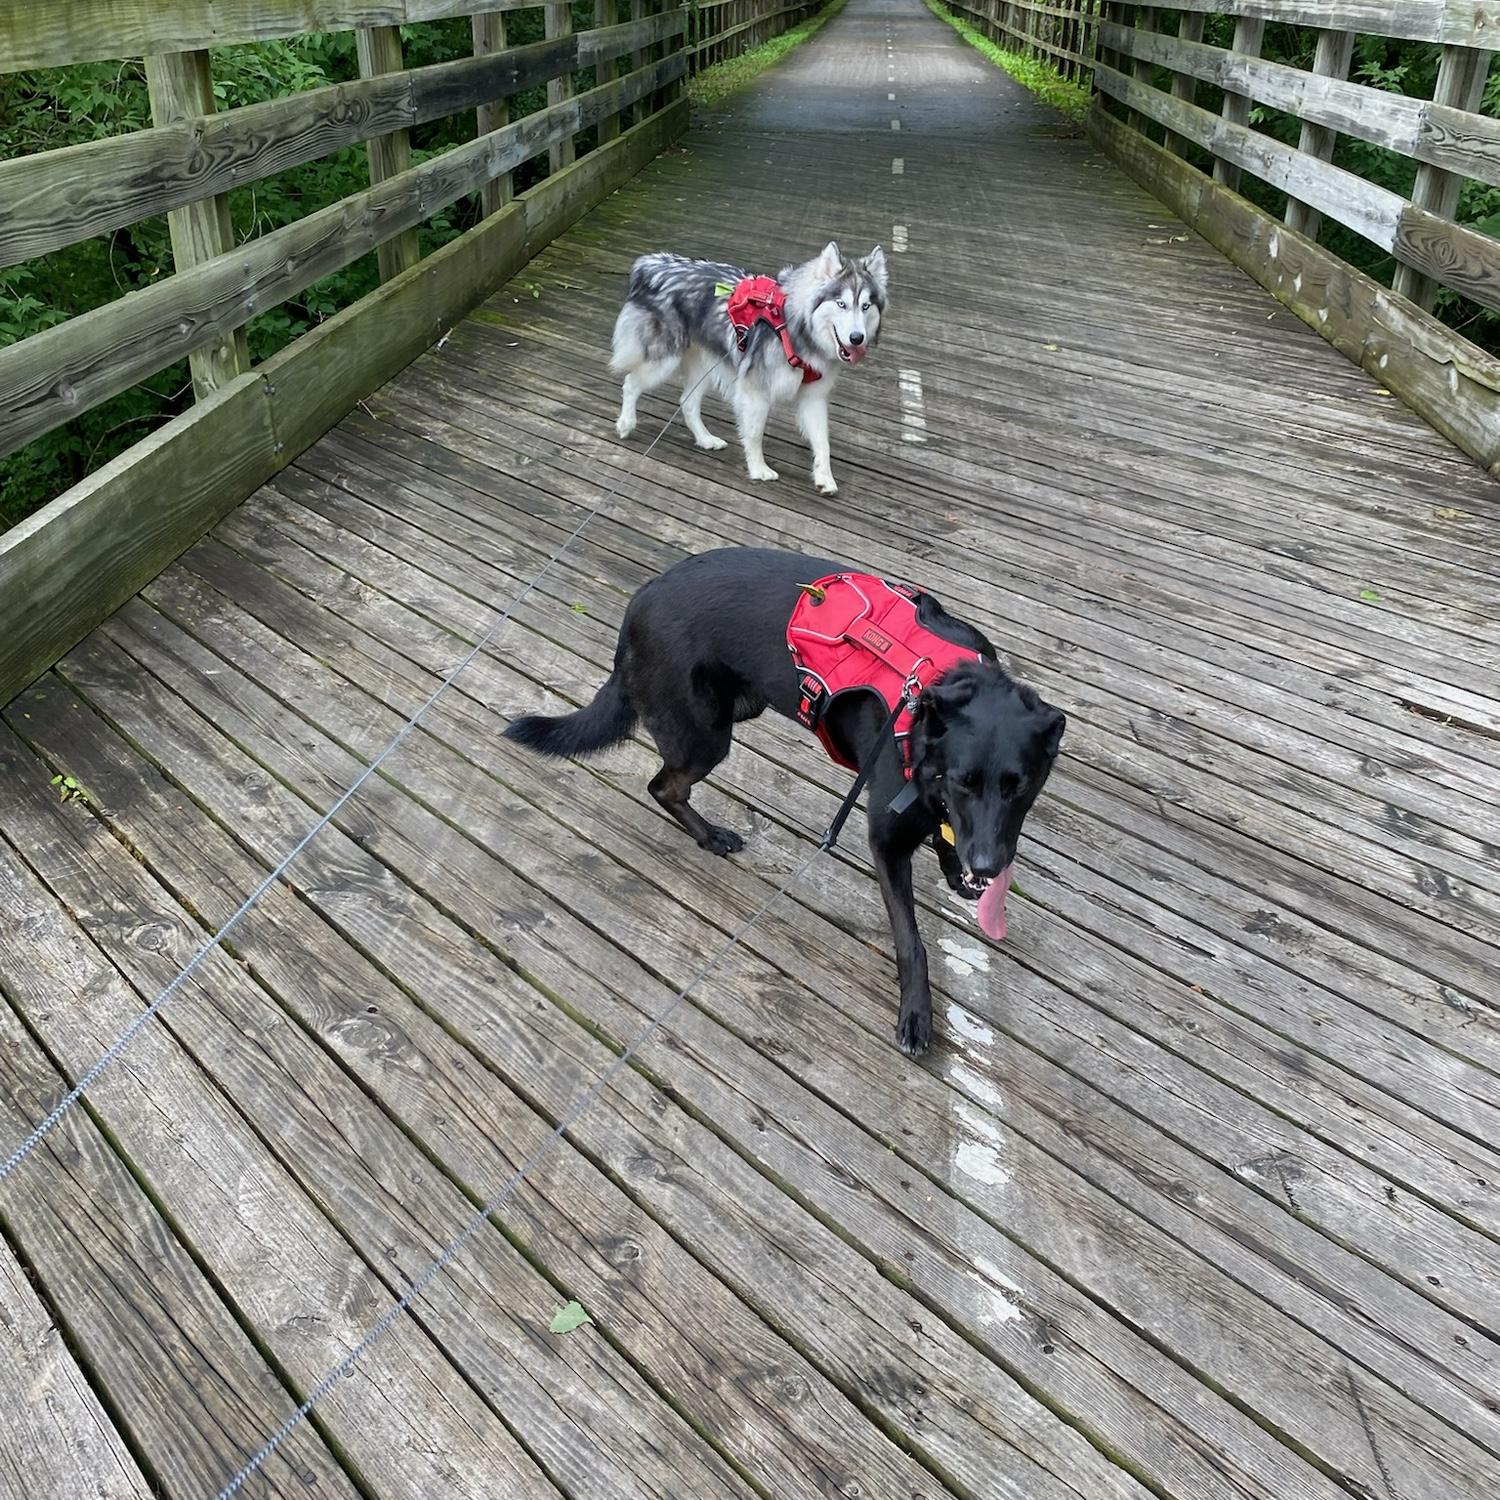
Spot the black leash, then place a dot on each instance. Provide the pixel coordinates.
(908, 793)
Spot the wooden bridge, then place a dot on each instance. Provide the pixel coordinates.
(1195, 1198)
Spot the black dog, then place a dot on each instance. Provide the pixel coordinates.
(704, 646)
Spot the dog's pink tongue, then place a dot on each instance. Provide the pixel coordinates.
(856, 352)
(992, 905)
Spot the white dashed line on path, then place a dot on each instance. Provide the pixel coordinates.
(913, 410)
(898, 166)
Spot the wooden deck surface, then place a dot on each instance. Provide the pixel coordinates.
(1198, 1194)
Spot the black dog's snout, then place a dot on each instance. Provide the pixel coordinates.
(856, 339)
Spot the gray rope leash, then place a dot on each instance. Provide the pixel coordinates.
(134, 1029)
(574, 1112)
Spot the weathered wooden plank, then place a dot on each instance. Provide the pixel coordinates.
(675, 1318)
(489, 37)
(1437, 132)
(557, 21)
(1249, 35)
(1372, 211)
(608, 13)
(59, 1443)
(1436, 371)
(89, 550)
(1460, 86)
(405, 1419)
(180, 1374)
(1331, 59)
(379, 52)
(1184, 85)
(600, 1430)
(94, 30)
(978, 1423)
(1463, 22)
(181, 87)
(488, 836)
(55, 198)
(51, 377)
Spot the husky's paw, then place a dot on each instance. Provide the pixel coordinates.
(709, 443)
(760, 472)
(825, 484)
(625, 426)
(721, 840)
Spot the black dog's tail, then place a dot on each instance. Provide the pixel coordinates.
(605, 722)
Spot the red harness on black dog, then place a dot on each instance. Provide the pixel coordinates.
(852, 631)
(762, 299)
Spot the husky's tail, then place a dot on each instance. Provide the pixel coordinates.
(605, 722)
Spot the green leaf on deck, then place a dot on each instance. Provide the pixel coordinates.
(1369, 596)
(568, 1318)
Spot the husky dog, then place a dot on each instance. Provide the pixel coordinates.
(676, 322)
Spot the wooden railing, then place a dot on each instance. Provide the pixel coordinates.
(67, 566)
(721, 29)
(1059, 32)
(1196, 158)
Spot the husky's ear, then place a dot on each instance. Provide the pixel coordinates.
(831, 261)
(874, 267)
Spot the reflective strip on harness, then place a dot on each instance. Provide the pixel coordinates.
(852, 631)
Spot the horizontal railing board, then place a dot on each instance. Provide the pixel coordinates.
(79, 558)
(1431, 367)
(1453, 139)
(56, 198)
(57, 33)
(1450, 253)
(1464, 23)
(54, 375)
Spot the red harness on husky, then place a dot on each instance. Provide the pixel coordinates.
(762, 299)
(852, 631)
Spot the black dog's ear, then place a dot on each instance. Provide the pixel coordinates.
(940, 704)
(1052, 731)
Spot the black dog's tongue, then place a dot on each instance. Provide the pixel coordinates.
(992, 905)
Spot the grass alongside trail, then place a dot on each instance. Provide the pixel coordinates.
(712, 84)
(1044, 81)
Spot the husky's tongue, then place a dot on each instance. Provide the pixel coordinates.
(853, 353)
(992, 905)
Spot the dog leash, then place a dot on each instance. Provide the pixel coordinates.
(112, 1053)
(570, 1118)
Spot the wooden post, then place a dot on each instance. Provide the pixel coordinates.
(559, 22)
(1184, 85)
(489, 37)
(181, 85)
(379, 49)
(607, 13)
(1334, 52)
(1249, 35)
(1140, 68)
(1460, 84)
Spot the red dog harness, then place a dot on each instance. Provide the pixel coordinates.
(850, 631)
(762, 299)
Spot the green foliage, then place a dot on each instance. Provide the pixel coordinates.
(44, 110)
(712, 84)
(1041, 79)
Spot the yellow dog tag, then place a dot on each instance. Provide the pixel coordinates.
(947, 831)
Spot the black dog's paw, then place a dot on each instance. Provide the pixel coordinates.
(721, 840)
(914, 1031)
